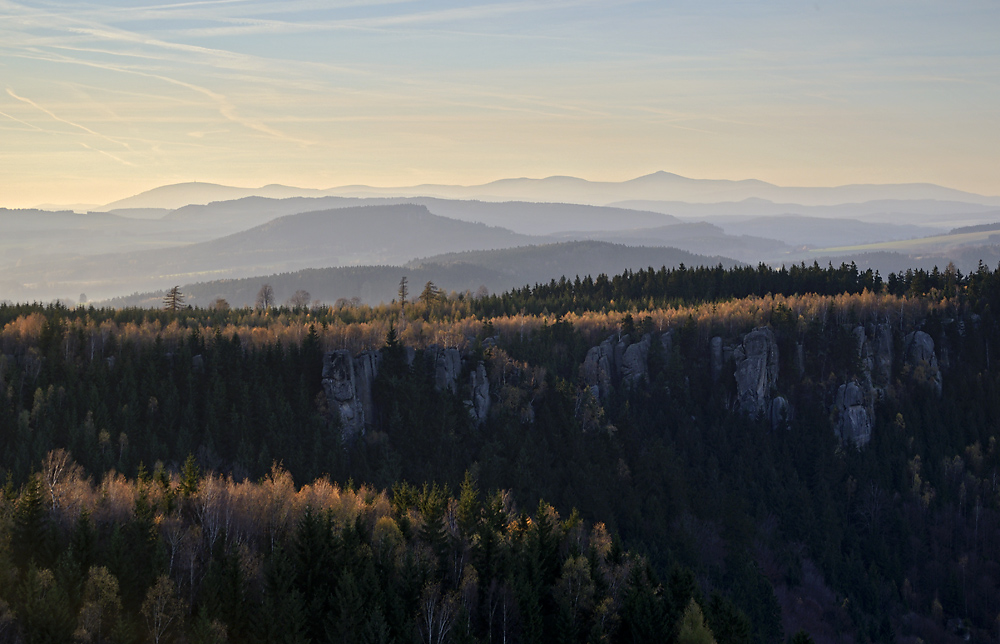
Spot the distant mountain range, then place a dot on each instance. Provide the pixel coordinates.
(369, 235)
(165, 236)
(659, 186)
(520, 217)
(497, 270)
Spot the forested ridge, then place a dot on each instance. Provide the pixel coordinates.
(150, 459)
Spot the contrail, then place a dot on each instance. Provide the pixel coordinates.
(86, 129)
(107, 154)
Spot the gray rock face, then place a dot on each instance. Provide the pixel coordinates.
(341, 391)
(366, 365)
(780, 413)
(756, 371)
(635, 361)
(875, 354)
(447, 366)
(920, 358)
(854, 406)
(667, 342)
(853, 418)
(598, 369)
(614, 362)
(479, 406)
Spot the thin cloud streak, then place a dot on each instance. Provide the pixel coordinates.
(313, 88)
(107, 154)
(67, 122)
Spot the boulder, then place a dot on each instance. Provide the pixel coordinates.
(756, 371)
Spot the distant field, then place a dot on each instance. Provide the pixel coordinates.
(938, 243)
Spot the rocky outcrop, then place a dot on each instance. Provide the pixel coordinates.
(347, 383)
(853, 415)
(853, 410)
(598, 369)
(479, 405)
(616, 361)
(921, 363)
(446, 365)
(635, 361)
(366, 366)
(342, 392)
(875, 356)
(780, 413)
(756, 371)
(667, 342)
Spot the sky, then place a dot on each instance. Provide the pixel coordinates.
(102, 100)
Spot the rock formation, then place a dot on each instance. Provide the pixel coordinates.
(616, 361)
(875, 356)
(446, 364)
(479, 405)
(635, 361)
(780, 413)
(756, 371)
(921, 361)
(853, 420)
(366, 365)
(598, 369)
(342, 392)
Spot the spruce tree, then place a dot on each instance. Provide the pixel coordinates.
(174, 300)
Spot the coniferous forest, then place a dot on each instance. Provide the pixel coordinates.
(185, 476)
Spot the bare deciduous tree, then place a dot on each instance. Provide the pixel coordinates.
(265, 297)
(299, 300)
(437, 614)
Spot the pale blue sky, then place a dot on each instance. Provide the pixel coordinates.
(99, 100)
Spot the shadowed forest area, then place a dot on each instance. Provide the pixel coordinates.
(184, 476)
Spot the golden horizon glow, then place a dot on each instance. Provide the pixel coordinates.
(99, 102)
